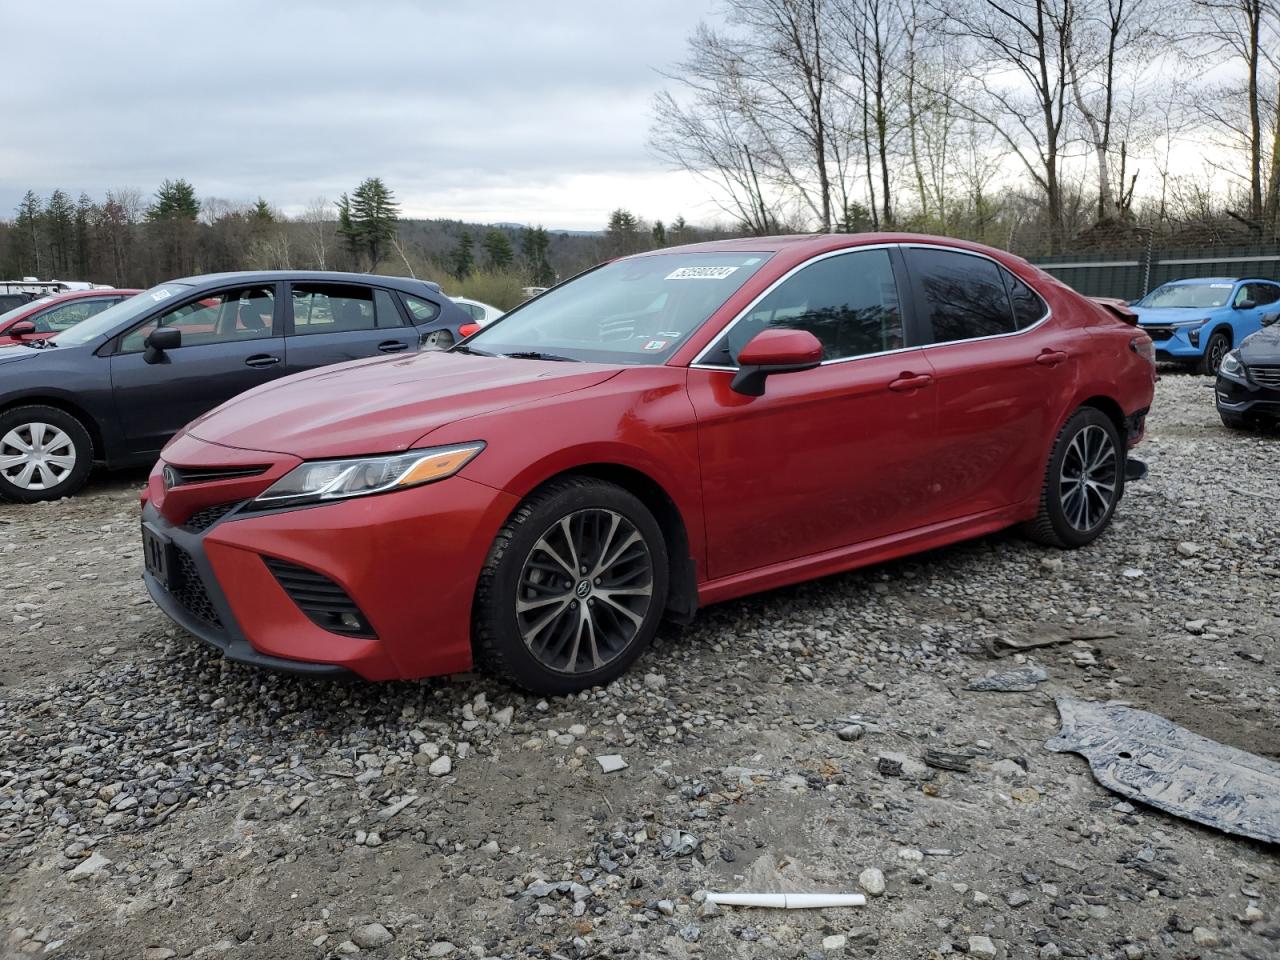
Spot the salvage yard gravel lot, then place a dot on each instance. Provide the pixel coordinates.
(157, 801)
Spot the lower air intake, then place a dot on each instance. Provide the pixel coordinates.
(325, 603)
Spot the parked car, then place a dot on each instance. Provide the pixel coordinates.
(1198, 321)
(114, 388)
(1248, 388)
(51, 315)
(9, 301)
(482, 313)
(665, 431)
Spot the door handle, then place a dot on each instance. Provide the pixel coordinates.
(261, 360)
(392, 346)
(908, 381)
(1051, 358)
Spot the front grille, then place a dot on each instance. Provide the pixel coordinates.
(1158, 331)
(181, 476)
(206, 517)
(325, 603)
(1267, 376)
(189, 590)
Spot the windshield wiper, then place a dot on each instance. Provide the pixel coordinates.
(538, 355)
(463, 348)
(38, 344)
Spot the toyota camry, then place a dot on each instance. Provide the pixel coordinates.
(665, 431)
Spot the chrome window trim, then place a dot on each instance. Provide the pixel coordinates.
(698, 363)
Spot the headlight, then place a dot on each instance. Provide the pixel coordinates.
(322, 480)
(1231, 364)
(1192, 323)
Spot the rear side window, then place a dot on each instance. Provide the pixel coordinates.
(849, 302)
(422, 311)
(963, 296)
(341, 308)
(1263, 294)
(1028, 308)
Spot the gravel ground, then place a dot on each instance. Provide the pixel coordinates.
(156, 801)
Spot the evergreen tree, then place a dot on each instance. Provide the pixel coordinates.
(59, 216)
(659, 234)
(678, 230)
(30, 258)
(175, 201)
(462, 260)
(497, 250)
(533, 249)
(367, 220)
(623, 233)
(85, 212)
(262, 212)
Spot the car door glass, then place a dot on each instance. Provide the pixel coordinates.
(244, 313)
(332, 308)
(386, 311)
(962, 295)
(849, 302)
(422, 311)
(67, 315)
(1028, 308)
(1266, 293)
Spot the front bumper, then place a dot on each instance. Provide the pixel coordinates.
(1240, 395)
(409, 560)
(1175, 344)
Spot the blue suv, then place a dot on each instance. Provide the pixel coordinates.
(1198, 321)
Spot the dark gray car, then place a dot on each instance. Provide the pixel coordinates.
(114, 388)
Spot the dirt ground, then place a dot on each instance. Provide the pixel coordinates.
(157, 801)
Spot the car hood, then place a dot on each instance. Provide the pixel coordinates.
(385, 404)
(1172, 314)
(14, 350)
(1263, 347)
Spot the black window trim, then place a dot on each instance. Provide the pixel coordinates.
(906, 302)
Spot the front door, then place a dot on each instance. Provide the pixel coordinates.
(828, 457)
(230, 342)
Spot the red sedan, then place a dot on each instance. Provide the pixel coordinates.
(48, 316)
(666, 431)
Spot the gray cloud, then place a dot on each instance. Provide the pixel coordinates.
(539, 109)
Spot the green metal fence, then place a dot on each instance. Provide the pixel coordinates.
(1130, 274)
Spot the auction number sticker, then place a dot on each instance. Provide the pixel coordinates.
(161, 295)
(701, 273)
(656, 345)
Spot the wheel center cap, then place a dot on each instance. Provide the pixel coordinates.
(583, 590)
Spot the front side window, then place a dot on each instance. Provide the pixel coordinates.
(962, 296)
(244, 313)
(849, 302)
(67, 315)
(637, 311)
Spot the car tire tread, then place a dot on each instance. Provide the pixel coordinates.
(1049, 527)
(80, 436)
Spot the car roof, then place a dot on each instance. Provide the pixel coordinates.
(810, 244)
(333, 276)
(1193, 281)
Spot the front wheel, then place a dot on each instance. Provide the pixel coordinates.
(1234, 421)
(45, 454)
(1083, 482)
(1214, 351)
(573, 589)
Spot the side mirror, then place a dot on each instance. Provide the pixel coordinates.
(467, 329)
(1246, 304)
(160, 340)
(22, 328)
(771, 351)
(1269, 318)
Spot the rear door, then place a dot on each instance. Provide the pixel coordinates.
(333, 322)
(828, 457)
(231, 341)
(1004, 372)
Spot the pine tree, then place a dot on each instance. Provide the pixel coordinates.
(59, 216)
(533, 249)
(462, 260)
(678, 230)
(659, 234)
(367, 220)
(27, 225)
(262, 212)
(85, 214)
(497, 250)
(175, 201)
(623, 232)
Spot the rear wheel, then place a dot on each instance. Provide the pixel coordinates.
(45, 454)
(573, 589)
(1083, 482)
(1214, 351)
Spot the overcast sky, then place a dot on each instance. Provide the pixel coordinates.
(490, 110)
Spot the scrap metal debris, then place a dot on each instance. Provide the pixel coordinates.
(1005, 646)
(1018, 680)
(788, 901)
(944, 760)
(1145, 757)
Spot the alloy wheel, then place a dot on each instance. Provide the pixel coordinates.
(36, 456)
(1087, 483)
(1217, 350)
(584, 591)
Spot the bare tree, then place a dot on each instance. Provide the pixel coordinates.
(318, 221)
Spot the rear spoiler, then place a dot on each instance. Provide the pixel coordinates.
(1117, 308)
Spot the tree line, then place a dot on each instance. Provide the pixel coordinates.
(1022, 123)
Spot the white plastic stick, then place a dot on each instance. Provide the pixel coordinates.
(788, 901)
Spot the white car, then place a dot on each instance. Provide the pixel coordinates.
(483, 313)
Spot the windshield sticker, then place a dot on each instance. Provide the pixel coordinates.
(670, 334)
(751, 263)
(1221, 286)
(701, 273)
(656, 344)
(161, 295)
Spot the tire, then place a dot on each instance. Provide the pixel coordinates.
(1235, 421)
(45, 454)
(1085, 437)
(527, 566)
(1214, 351)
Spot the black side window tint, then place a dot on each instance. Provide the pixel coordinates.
(1265, 293)
(849, 302)
(1028, 308)
(962, 295)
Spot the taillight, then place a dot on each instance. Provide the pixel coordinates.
(1143, 347)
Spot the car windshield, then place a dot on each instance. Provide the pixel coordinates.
(113, 317)
(1198, 295)
(637, 310)
(19, 310)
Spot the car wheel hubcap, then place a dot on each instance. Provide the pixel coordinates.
(36, 456)
(584, 591)
(1087, 485)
